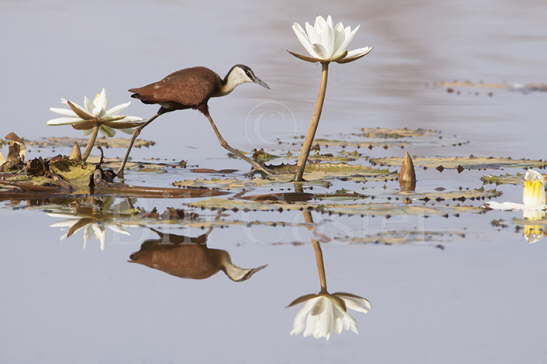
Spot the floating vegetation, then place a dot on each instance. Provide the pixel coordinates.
(101, 142)
(452, 86)
(461, 163)
(400, 237)
(61, 176)
(505, 179)
(387, 133)
(364, 209)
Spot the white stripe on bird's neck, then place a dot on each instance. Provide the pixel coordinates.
(235, 78)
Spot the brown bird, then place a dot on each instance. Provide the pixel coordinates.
(188, 257)
(191, 88)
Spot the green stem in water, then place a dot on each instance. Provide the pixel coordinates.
(90, 143)
(314, 123)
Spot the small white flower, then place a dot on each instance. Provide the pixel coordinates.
(325, 42)
(533, 195)
(324, 314)
(94, 112)
(533, 205)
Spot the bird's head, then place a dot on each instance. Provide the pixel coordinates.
(239, 74)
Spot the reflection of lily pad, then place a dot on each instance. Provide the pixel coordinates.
(103, 142)
(463, 162)
(359, 144)
(386, 133)
(315, 171)
(369, 209)
(505, 179)
(472, 194)
(404, 237)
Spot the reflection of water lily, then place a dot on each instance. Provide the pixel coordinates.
(93, 220)
(324, 314)
(94, 116)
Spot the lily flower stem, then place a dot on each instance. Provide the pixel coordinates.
(90, 143)
(320, 265)
(314, 123)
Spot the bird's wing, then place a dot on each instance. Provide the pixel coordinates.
(189, 87)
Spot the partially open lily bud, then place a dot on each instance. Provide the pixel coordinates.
(17, 149)
(533, 194)
(407, 175)
(75, 153)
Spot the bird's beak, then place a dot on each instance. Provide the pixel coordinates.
(260, 82)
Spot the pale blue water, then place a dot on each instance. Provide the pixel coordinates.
(480, 300)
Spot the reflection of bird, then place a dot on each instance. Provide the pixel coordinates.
(191, 88)
(188, 257)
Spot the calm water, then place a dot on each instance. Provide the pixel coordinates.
(480, 300)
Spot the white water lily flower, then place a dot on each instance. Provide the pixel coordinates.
(94, 112)
(533, 196)
(325, 42)
(324, 314)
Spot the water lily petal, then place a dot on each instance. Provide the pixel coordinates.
(312, 34)
(320, 51)
(88, 104)
(299, 323)
(355, 55)
(65, 112)
(303, 39)
(305, 58)
(108, 131)
(116, 109)
(100, 234)
(339, 36)
(504, 205)
(118, 229)
(78, 110)
(99, 103)
(356, 303)
(349, 34)
(64, 121)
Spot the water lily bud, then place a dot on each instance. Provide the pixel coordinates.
(407, 175)
(2, 159)
(75, 153)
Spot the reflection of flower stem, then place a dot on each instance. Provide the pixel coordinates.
(90, 143)
(320, 265)
(318, 255)
(312, 128)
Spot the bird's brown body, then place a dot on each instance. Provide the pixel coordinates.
(184, 89)
(191, 88)
(188, 257)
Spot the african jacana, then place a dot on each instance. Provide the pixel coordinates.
(191, 88)
(189, 257)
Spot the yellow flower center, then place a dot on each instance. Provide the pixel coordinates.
(534, 193)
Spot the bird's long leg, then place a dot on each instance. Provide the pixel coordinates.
(229, 148)
(136, 133)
